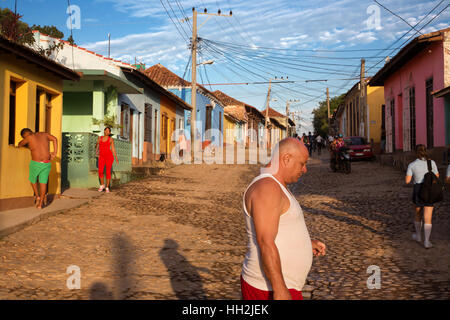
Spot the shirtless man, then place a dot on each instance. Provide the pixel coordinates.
(280, 251)
(40, 165)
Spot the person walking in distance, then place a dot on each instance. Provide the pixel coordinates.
(280, 250)
(40, 165)
(319, 141)
(423, 211)
(107, 153)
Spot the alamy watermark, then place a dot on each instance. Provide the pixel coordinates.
(374, 281)
(234, 147)
(374, 20)
(74, 280)
(74, 19)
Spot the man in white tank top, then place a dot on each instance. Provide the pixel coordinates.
(280, 250)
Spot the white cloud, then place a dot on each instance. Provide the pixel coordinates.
(288, 24)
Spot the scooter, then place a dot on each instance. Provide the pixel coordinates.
(343, 163)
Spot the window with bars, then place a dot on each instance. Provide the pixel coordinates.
(12, 112)
(412, 117)
(429, 110)
(393, 123)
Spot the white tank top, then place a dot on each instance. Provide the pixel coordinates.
(293, 243)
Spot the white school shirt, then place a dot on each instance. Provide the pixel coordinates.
(418, 168)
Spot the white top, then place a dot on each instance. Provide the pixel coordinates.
(319, 139)
(292, 241)
(418, 168)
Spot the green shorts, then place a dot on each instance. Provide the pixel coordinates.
(41, 170)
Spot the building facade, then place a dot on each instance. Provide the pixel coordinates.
(412, 114)
(31, 95)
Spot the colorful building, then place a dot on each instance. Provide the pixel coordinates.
(361, 114)
(164, 114)
(87, 104)
(209, 110)
(31, 95)
(412, 114)
(235, 120)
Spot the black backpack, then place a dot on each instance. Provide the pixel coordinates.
(432, 188)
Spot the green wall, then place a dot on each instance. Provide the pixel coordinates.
(77, 112)
(77, 103)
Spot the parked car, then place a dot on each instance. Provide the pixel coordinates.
(359, 148)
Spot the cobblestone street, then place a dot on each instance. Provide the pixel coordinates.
(181, 235)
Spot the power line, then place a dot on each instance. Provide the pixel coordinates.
(176, 26)
(393, 50)
(301, 50)
(393, 13)
(177, 19)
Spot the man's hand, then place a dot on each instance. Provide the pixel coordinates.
(52, 155)
(318, 248)
(282, 294)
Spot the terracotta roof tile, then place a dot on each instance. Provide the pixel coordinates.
(273, 113)
(164, 77)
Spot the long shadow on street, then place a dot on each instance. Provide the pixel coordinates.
(122, 266)
(184, 277)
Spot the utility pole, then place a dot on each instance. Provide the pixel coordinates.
(267, 103)
(194, 79)
(329, 115)
(362, 104)
(287, 113)
(194, 69)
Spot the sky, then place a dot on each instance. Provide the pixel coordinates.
(316, 40)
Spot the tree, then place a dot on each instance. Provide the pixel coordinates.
(70, 40)
(320, 119)
(52, 31)
(13, 29)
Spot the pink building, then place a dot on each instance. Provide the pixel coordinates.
(413, 115)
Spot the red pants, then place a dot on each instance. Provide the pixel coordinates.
(102, 162)
(252, 293)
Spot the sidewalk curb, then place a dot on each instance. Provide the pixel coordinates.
(20, 226)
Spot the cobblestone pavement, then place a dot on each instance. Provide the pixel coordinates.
(181, 235)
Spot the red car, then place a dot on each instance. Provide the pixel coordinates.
(359, 148)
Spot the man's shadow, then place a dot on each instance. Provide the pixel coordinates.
(184, 277)
(122, 266)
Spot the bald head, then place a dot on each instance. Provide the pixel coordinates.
(292, 146)
(289, 159)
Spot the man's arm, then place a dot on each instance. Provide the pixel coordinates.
(23, 143)
(54, 140)
(266, 207)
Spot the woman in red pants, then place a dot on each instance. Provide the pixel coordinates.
(107, 152)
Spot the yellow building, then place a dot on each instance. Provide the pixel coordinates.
(375, 103)
(30, 97)
(168, 116)
(361, 114)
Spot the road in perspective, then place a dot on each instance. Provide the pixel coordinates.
(140, 243)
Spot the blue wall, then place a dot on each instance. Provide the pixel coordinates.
(202, 102)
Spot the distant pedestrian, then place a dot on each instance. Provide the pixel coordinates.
(106, 152)
(447, 179)
(280, 251)
(423, 211)
(182, 143)
(319, 142)
(310, 143)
